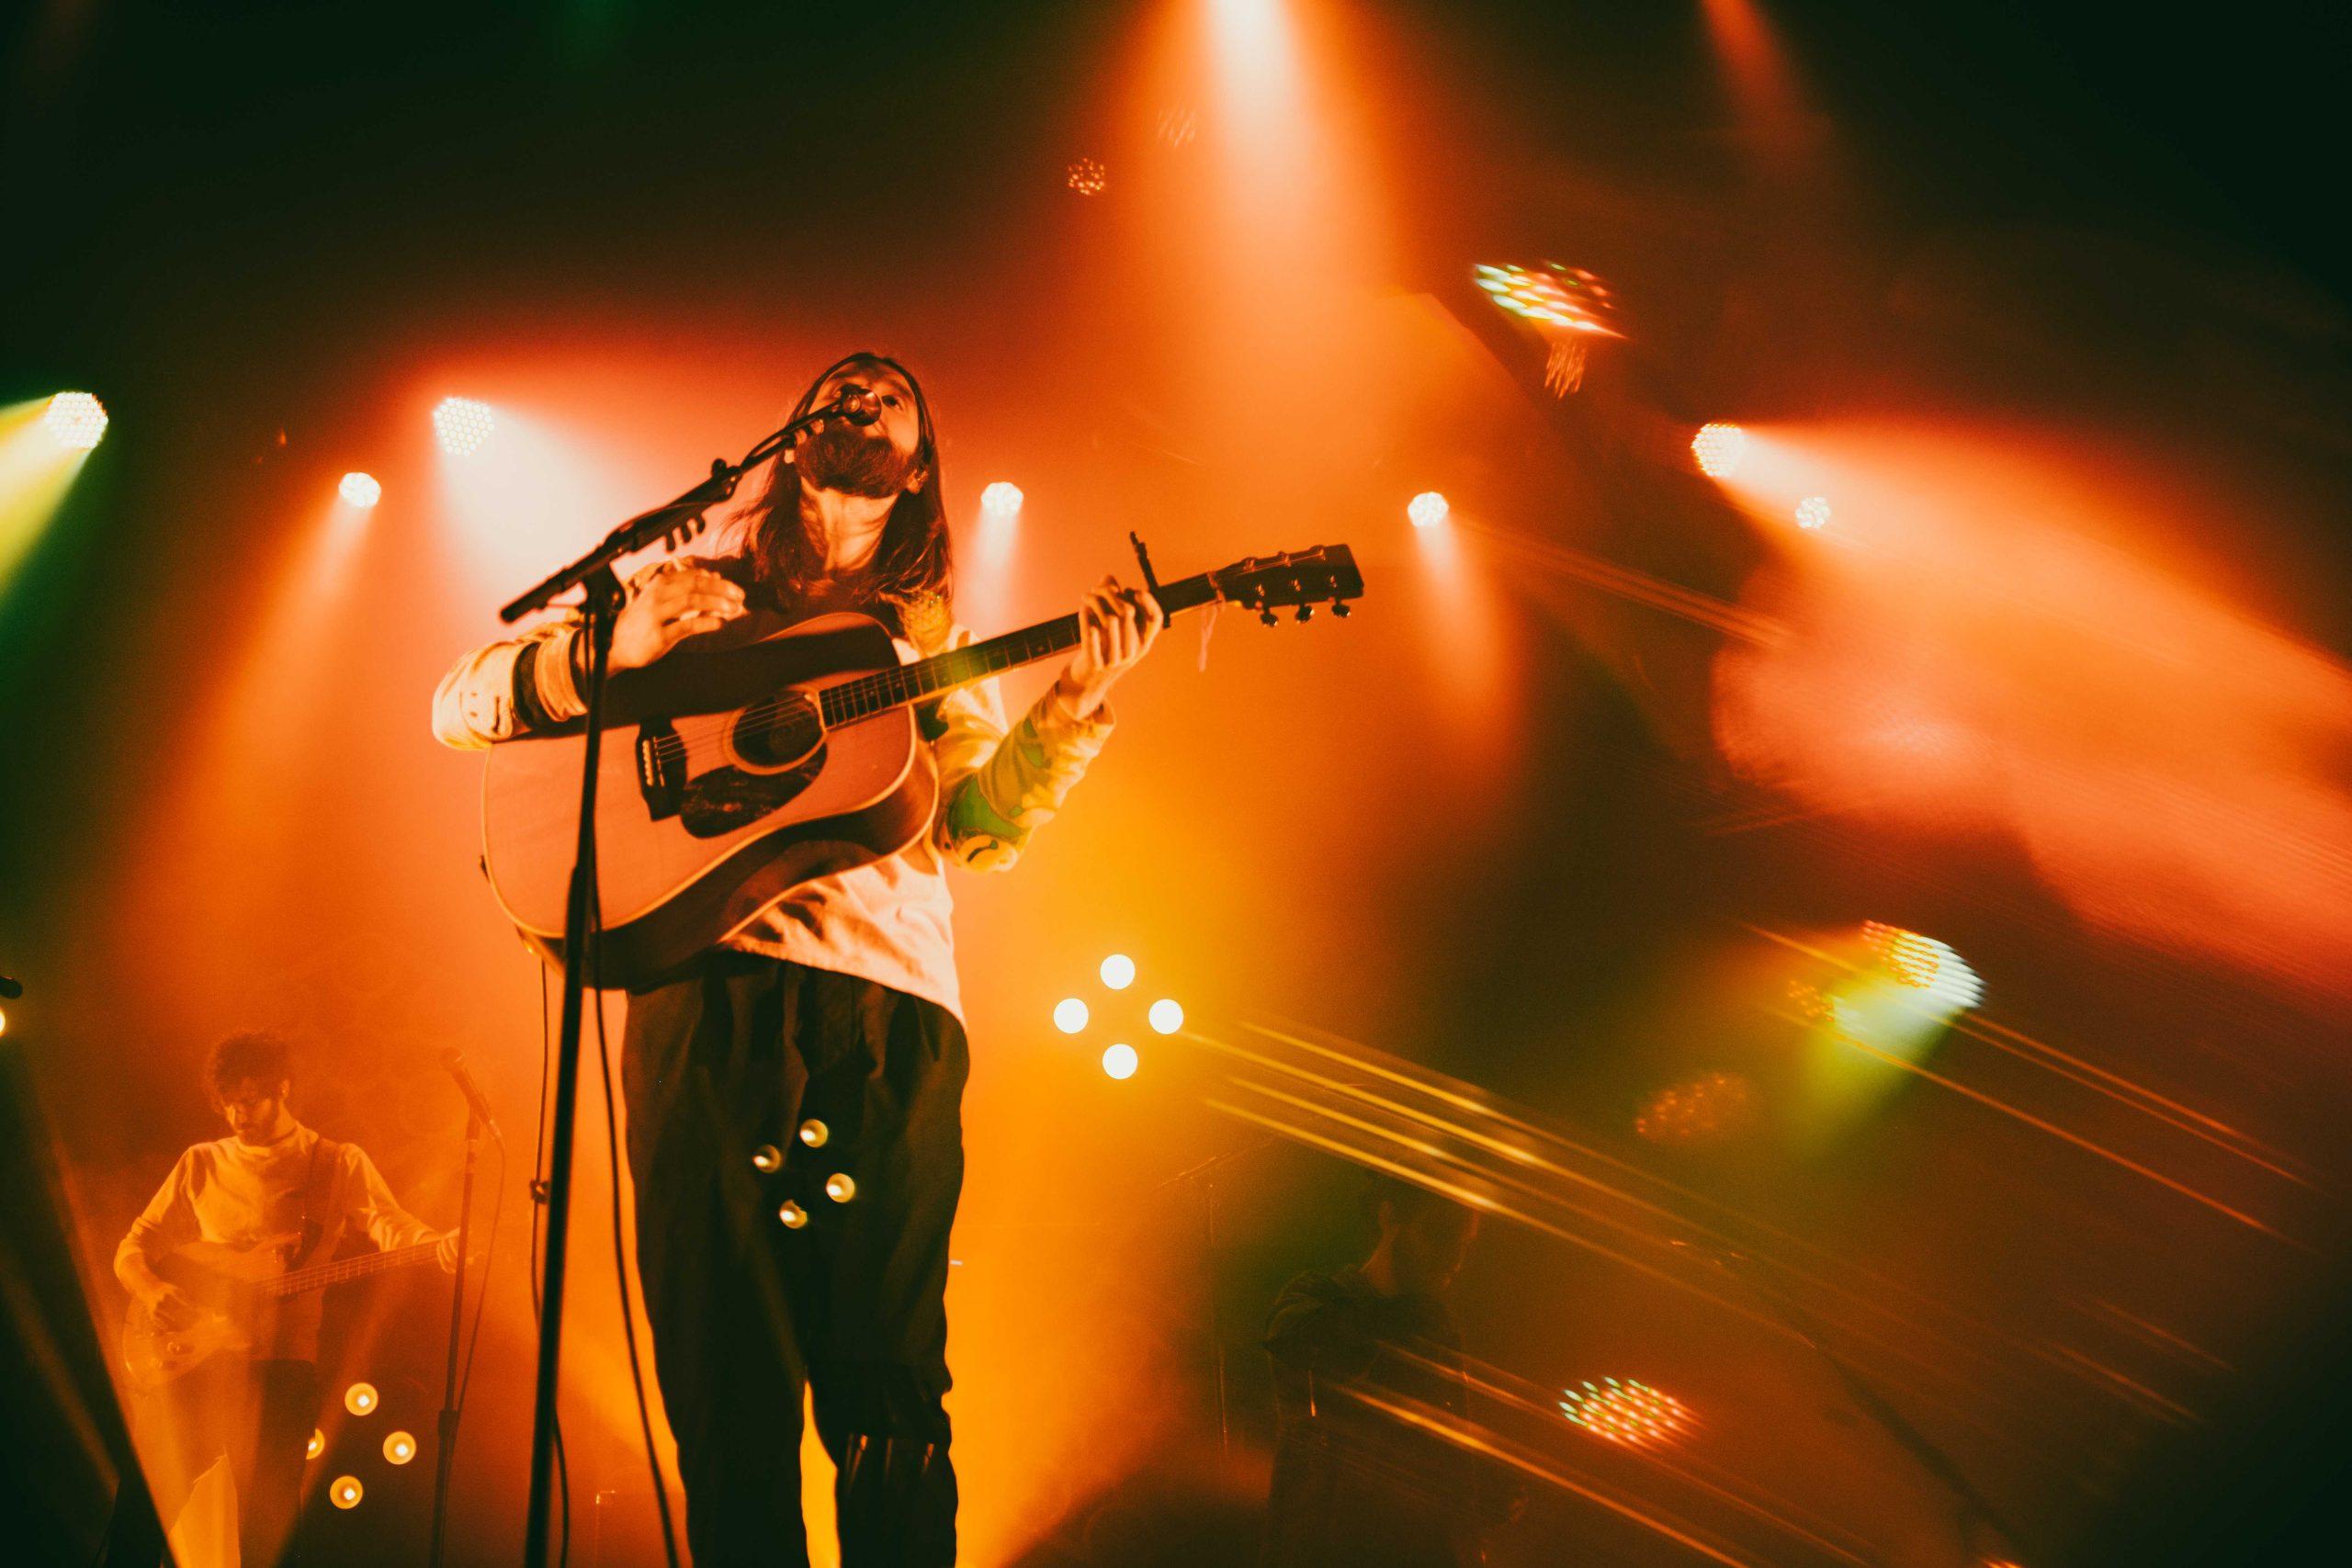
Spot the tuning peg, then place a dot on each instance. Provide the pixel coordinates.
(1307, 611)
(1268, 617)
(1341, 608)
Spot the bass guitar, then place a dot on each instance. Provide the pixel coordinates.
(754, 758)
(237, 1291)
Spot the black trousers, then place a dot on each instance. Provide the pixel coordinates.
(260, 1415)
(750, 1086)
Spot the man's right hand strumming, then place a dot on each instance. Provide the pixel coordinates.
(173, 1307)
(678, 601)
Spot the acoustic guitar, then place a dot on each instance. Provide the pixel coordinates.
(238, 1290)
(754, 758)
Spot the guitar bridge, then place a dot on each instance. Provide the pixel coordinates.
(661, 768)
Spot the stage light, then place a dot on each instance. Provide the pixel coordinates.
(1118, 971)
(3, 1021)
(1708, 1108)
(1568, 297)
(360, 1398)
(1165, 1016)
(316, 1446)
(814, 1132)
(1002, 499)
(347, 1491)
(75, 421)
(400, 1447)
(1089, 177)
(360, 491)
(840, 1187)
(768, 1160)
(792, 1215)
(462, 424)
(1121, 1061)
(1631, 1413)
(1812, 511)
(1718, 447)
(1427, 509)
(1069, 1015)
(1926, 964)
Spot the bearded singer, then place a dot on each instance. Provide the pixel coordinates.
(835, 1015)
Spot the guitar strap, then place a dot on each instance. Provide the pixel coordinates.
(316, 1192)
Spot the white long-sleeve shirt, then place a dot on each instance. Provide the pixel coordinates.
(235, 1194)
(888, 920)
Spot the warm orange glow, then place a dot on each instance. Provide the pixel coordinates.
(346, 1492)
(360, 1398)
(400, 1447)
(2001, 644)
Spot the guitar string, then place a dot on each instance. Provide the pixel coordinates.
(881, 685)
(880, 682)
(342, 1269)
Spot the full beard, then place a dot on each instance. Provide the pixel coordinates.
(845, 458)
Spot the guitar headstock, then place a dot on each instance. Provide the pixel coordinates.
(1326, 574)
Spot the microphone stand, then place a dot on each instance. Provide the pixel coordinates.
(601, 600)
(446, 1450)
(1872, 1403)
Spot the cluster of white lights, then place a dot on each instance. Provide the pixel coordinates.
(1812, 511)
(1002, 499)
(360, 491)
(75, 421)
(1427, 509)
(462, 424)
(1117, 972)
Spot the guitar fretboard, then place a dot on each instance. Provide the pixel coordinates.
(318, 1276)
(870, 695)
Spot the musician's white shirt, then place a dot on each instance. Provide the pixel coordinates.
(888, 921)
(231, 1192)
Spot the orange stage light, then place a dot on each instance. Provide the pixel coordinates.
(462, 424)
(1718, 448)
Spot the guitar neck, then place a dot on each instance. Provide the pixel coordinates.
(319, 1276)
(887, 689)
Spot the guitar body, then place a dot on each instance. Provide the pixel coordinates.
(224, 1280)
(719, 790)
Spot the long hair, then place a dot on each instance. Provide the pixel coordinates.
(911, 562)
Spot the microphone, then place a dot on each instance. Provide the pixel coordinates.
(858, 404)
(470, 1089)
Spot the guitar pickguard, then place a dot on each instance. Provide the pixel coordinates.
(724, 800)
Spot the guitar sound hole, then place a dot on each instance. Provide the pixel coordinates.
(771, 737)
